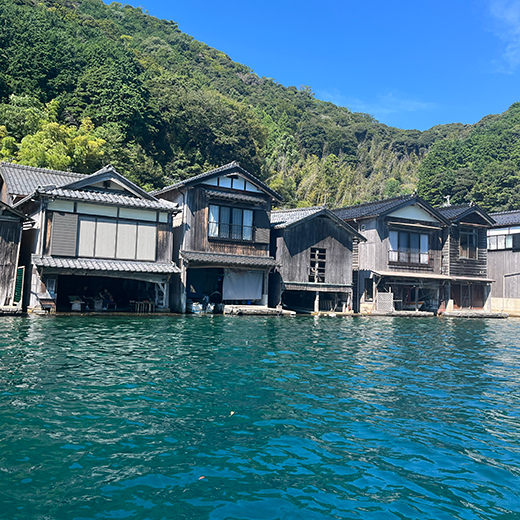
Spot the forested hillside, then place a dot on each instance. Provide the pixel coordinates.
(84, 84)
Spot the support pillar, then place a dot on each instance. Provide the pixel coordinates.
(265, 289)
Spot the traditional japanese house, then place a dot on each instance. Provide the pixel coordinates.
(98, 240)
(221, 238)
(464, 258)
(11, 275)
(405, 263)
(503, 261)
(420, 258)
(314, 249)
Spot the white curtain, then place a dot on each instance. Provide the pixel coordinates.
(394, 246)
(213, 221)
(248, 224)
(424, 249)
(239, 284)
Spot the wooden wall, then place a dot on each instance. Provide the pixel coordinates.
(164, 243)
(196, 227)
(500, 263)
(466, 266)
(294, 249)
(164, 237)
(10, 232)
(373, 254)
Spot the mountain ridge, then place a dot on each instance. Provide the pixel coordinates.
(83, 84)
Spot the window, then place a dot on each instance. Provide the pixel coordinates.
(468, 243)
(369, 289)
(408, 248)
(230, 223)
(111, 238)
(500, 242)
(317, 267)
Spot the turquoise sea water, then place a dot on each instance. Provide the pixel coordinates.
(259, 418)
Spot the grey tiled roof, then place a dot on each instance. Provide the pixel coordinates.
(231, 167)
(234, 196)
(458, 211)
(282, 218)
(453, 212)
(231, 260)
(506, 218)
(22, 180)
(105, 197)
(103, 265)
(371, 209)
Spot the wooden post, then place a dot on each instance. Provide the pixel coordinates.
(416, 298)
(317, 302)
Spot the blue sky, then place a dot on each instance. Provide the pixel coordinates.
(409, 64)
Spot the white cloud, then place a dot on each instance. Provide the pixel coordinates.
(383, 105)
(506, 18)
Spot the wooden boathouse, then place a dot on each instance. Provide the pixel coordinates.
(98, 241)
(314, 250)
(221, 238)
(419, 258)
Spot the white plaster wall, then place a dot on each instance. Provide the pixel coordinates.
(414, 212)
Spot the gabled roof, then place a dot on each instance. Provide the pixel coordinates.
(506, 218)
(286, 218)
(460, 211)
(103, 197)
(30, 182)
(106, 173)
(5, 208)
(383, 207)
(283, 218)
(22, 180)
(227, 169)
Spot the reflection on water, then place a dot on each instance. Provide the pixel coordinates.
(258, 418)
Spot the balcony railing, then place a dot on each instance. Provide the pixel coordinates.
(219, 230)
(410, 257)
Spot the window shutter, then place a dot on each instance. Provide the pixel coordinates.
(146, 241)
(516, 242)
(262, 227)
(64, 233)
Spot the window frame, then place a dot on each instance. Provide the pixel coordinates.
(400, 250)
(493, 242)
(140, 226)
(226, 227)
(468, 251)
(317, 265)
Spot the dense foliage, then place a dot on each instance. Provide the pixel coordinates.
(84, 84)
(483, 167)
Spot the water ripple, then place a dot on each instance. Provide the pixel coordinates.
(259, 418)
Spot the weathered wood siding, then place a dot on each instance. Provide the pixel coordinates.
(164, 243)
(10, 232)
(502, 263)
(196, 226)
(294, 251)
(467, 266)
(373, 254)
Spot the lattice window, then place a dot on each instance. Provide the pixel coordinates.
(317, 265)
